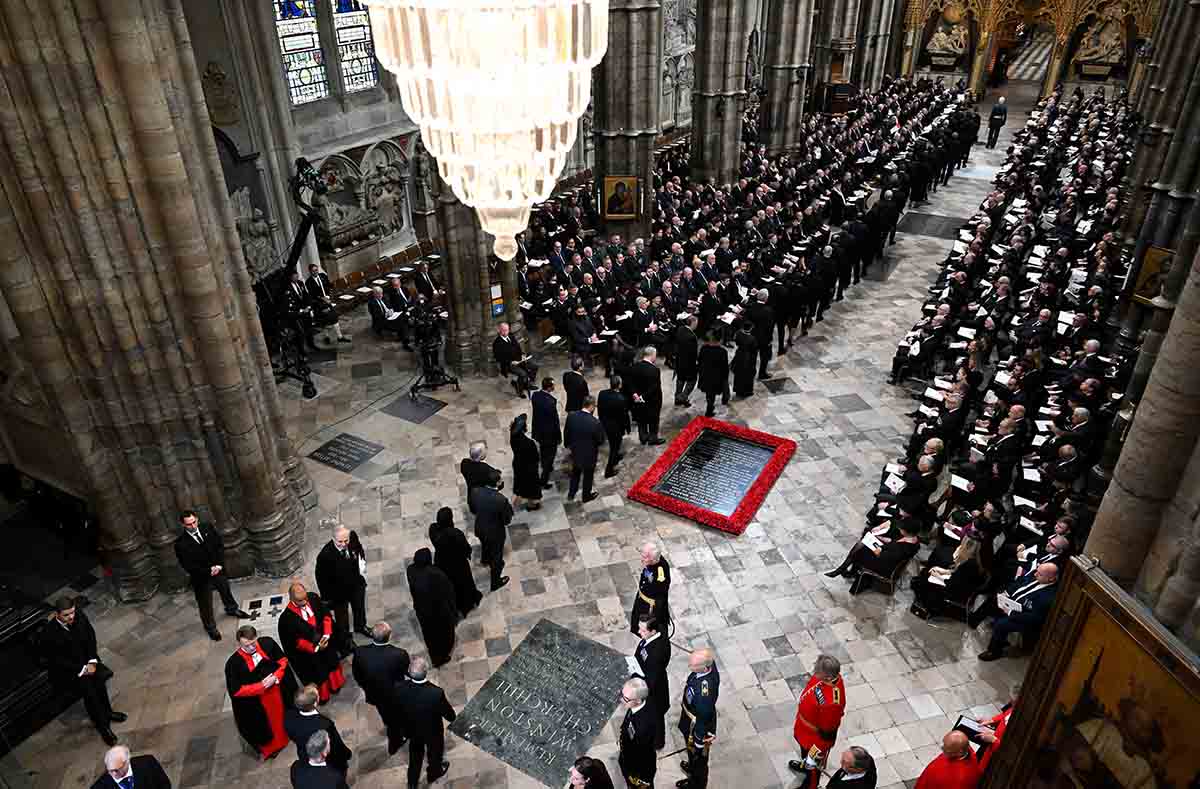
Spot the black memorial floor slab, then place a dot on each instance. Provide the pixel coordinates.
(921, 224)
(415, 411)
(345, 452)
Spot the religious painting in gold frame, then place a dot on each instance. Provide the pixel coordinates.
(1109, 701)
(1156, 262)
(620, 197)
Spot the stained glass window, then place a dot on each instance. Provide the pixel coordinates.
(300, 43)
(356, 51)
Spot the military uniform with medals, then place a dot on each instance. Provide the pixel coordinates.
(697, 722)
(653, 586)
(818, 716)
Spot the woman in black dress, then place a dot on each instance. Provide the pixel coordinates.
(527, 479)
(452, 555)
(965, 575)
(883, 560)
(745, 360)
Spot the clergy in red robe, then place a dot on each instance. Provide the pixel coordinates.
(306, 630)
(955, 767)
(259, 682)
(818, 715)
(998, 725)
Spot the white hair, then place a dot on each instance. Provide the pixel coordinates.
(115, 754)
(649, 352)
(478, 450)
(650, 548)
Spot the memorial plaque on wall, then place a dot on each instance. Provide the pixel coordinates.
(715, 473)
(345, 452)
(546, 704)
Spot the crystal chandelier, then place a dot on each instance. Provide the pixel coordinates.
(497, 88)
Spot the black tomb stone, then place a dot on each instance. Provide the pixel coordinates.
(715, 472)
(346, 452)
(546, 704)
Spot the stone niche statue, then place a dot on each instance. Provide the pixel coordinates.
(258, 244)
(342, 221)
(1103, 42)
(386, 196)
(949, 41)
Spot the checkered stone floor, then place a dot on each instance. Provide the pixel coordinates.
(759, 599)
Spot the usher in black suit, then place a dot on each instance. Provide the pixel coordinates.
(197, 556)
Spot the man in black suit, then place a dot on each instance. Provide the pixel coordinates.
(1032, 597)
(613, 409)
(583, 436)
(493, 512)
(763, 319)
(645, 384)
(377, 668)
(304, 720)
(320, 296)
(510, 358)
(547, 430)
(653, 654)
(313, 771)
(122, 771)
(575, 385)
(687, 351)
(340, 566)
(475, 472)
(67, 644)
(202, 556)
(857, 770)
(424, 706)
(297, 309)
(384, 319)
(424, 282)
(641, 731)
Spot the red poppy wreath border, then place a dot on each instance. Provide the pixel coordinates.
(643, 489)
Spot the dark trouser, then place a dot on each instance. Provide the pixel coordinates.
(684, 387)
(417, 751)
(615, 437)
(858, 264)
(95, 699)
(993, 135)
(648, 428)
(548, 451)
(204, 592)
(1001, 628)
(587, 472)
(492, 552)
(697, 771)
(764, 356)
(780, 330)
(357, 604)
(711, 398)
(634, 780)
(845, 271)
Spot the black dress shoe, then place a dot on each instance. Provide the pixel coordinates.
(683, 783)
(609, 474)
(445, 769)
(656, 441)
(685, 766)
(504, 579)
(214, 634)
(834, 573)
(547, 485)
(117, 717)
(109, 738)
(989, 656)
(397, 745)
(344, 339)
(239, 613)
(590, 497)
(766, 377)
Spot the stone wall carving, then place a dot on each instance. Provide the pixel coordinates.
(221, 96)
(258, 240)
(754, 62)
(678, 80)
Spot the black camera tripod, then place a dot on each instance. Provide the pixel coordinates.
(433, 375)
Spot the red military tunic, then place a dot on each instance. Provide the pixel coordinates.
(818, 715)
(946, 773)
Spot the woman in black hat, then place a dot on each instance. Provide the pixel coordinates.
(527, 480)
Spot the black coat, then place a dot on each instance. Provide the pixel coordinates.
(147, 774)
(545, 427)
(434, 604)
(687, 347)
(197, 559)
(300, 727)
(612, 407)
(506, 352)
(584, 435)
(526, 465)
(763, 319)
(248, 712)
(576, 387)
(645, 379)
(640, 733)
(713, 366)
(493, 512)
(452, 555)
(338, 578)
(423, 707)
(299, 638)
(65, 651)
(869, 780)
(376, 668)
(653, 658)
(305, 776)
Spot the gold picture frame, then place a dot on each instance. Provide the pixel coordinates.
(1156, 262)
(621, 197)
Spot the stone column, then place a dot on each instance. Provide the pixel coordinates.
(786, 71)
(628, 94)
(845, 40)
(1165, 429)
(465, 249)
(1170, 579)
(876, 40)
(978, 75)
(719, 100)
(914, 20)
(127, 283)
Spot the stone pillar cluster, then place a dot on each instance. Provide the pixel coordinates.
(787, 73)
(125, 278)
(875, 37)
(626, 105)
(722, 33)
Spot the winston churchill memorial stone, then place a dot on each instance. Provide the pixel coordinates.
(546, 703)
(715, 472)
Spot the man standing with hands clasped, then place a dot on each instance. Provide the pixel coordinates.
(583, 436)
(202, 556)
(818, 716)
(342, 583)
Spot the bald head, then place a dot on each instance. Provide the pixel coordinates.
(955, 746)
(701, 660)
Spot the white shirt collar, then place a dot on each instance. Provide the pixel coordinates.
(418, 681)
(128, 772)
(316, 764)
(651, 638)
(308, 714)
(638, 708)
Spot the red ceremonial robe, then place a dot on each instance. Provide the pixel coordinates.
(258, 710)
(1000, 722)
(300, 632)
(944, 773)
